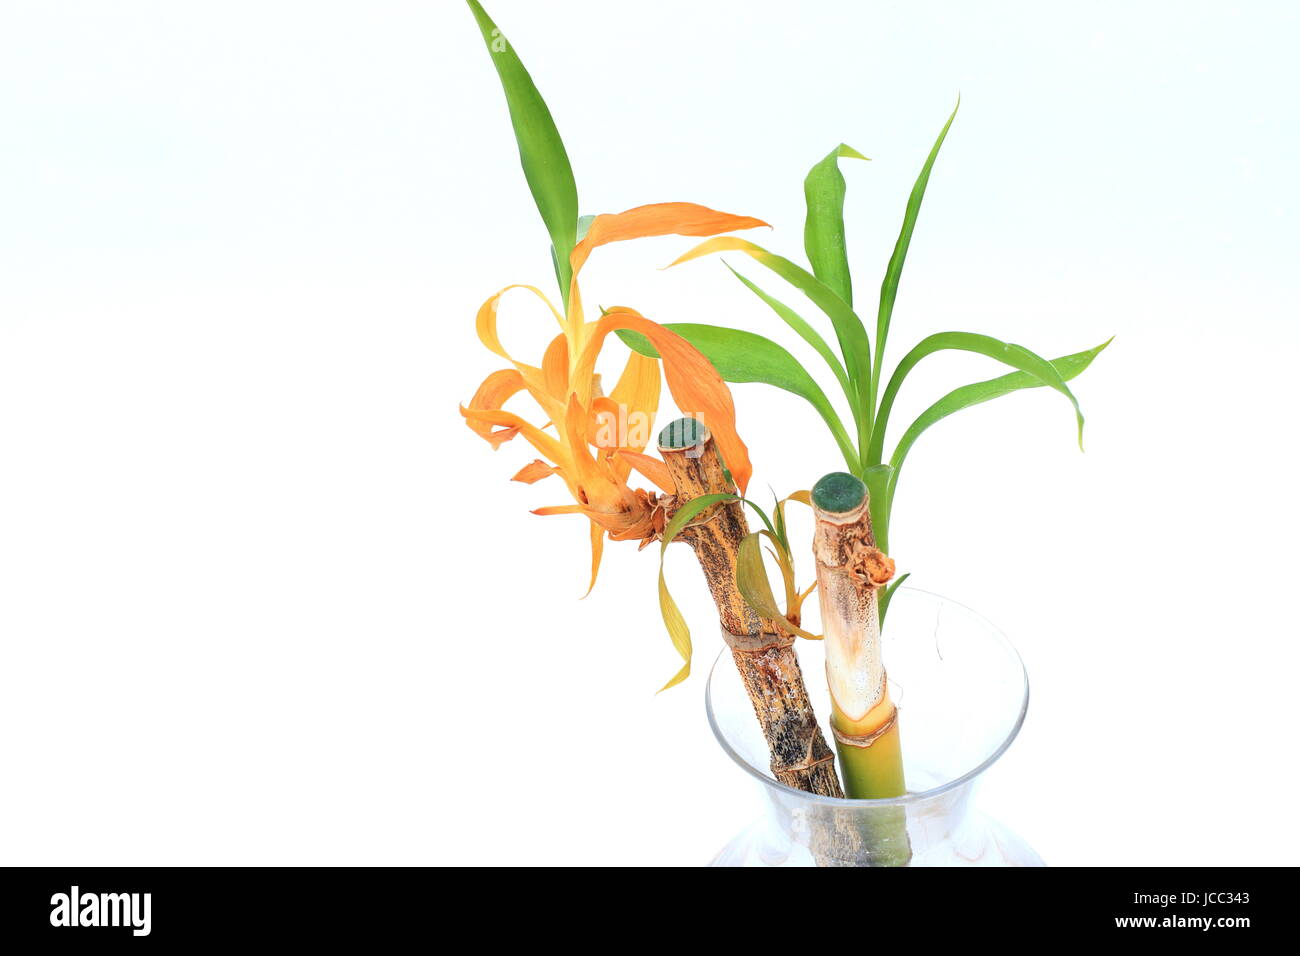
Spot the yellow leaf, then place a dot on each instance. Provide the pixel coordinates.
(486, 322)
(677, 631)
(551, 401)
(555, 367)
(722, 244)
(751, 580)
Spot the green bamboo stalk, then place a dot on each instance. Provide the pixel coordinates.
(851, 570)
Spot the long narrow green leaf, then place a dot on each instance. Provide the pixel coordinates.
(855, 346)
(778, 521)
(803, 497)
(1067, 365)
(762, 516)
(887, 595)
(1017, 356)
(541, 151)
(747, 357)
(823, 228)
(889, 287)
(804, 330)
(674, 622)
(877, 479)
(754, 587)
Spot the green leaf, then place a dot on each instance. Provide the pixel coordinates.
(782, 527)
(804, 330)
(855, 347)
(823, 229)
(754, 587)
(687, 512)
(887, 595)
(541, 151)
(877, 479)
(889, 287)
(678, 632)
(751, 578)
(1016, 356)
(762, 515)
(849, 330)
(1068, 366)
(778, 521)
(747, 357)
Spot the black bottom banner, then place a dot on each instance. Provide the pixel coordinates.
(370, 907)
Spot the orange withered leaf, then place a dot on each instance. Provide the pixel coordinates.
(599, 439)
(533, 471)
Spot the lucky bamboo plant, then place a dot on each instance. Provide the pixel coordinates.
(593, 442)
(704, 466)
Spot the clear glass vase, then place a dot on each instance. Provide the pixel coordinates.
(961, 692)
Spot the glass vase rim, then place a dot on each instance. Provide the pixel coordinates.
(910, 797)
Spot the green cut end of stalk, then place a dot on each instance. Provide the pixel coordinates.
(839, 492)
(682, 433)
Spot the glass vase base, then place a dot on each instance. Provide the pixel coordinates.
(986, 843)
(962, 695)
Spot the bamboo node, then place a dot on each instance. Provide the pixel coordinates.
(756, 643)
(862, 741)
(805, 766)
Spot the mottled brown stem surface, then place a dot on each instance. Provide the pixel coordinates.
(764, 655)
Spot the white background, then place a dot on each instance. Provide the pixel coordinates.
(265, 599)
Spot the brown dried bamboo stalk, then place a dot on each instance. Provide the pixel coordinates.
(764, 655)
